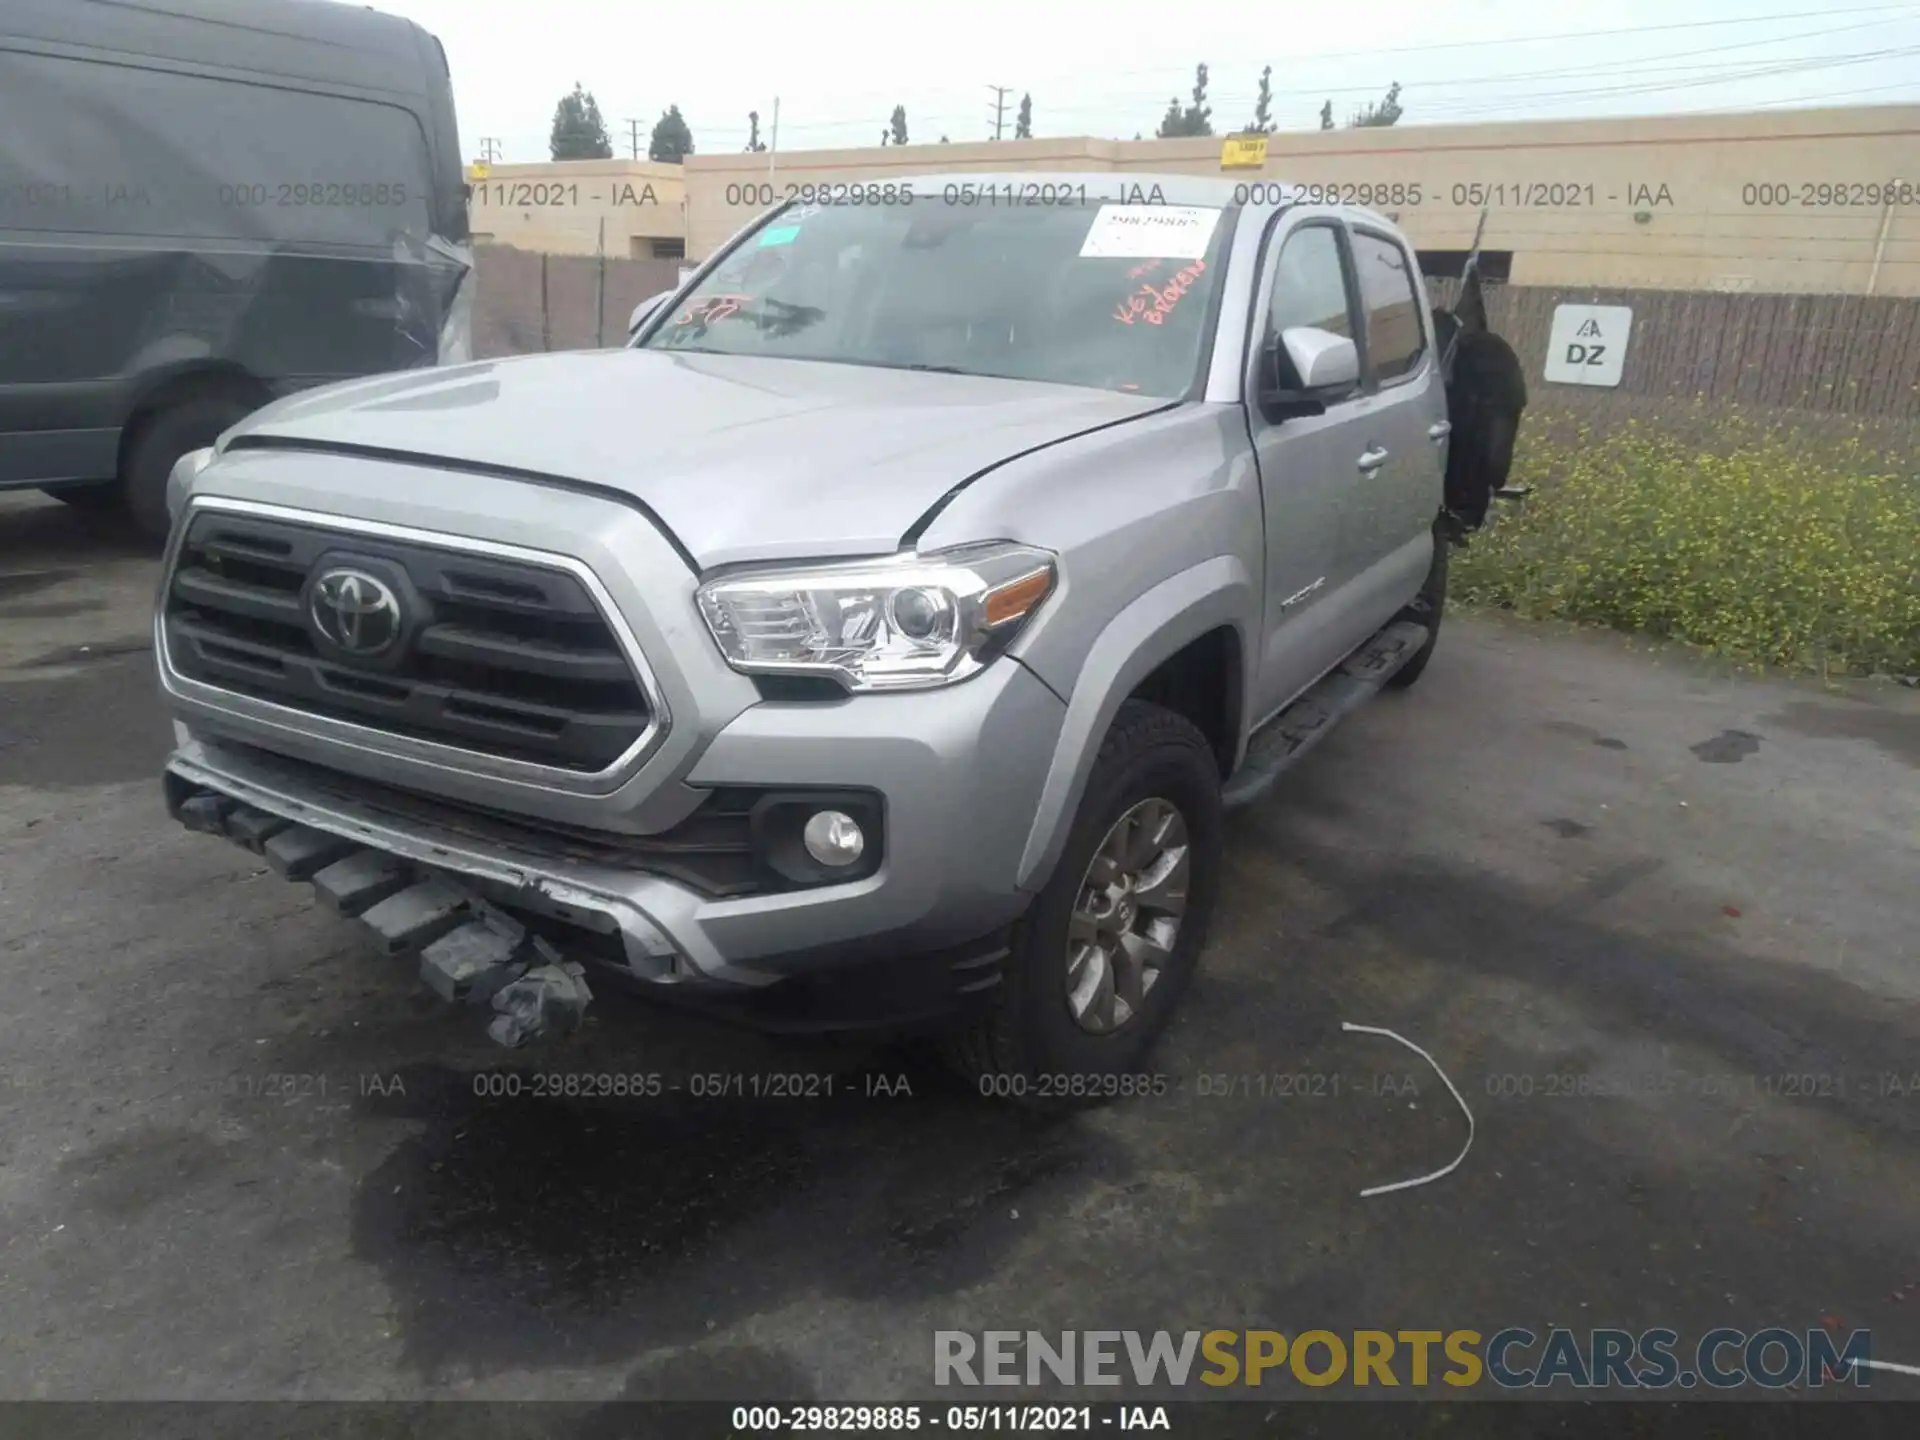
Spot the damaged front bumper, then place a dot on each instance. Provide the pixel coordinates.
(471, 951)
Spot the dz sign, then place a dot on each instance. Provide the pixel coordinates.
(1588, 345)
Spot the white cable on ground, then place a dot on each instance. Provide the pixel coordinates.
(1889, 1365)
(1453, 1165)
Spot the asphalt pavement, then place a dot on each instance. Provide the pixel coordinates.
(1655, 920)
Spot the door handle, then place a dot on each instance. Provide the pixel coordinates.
(1439, 430)
(1372, 459)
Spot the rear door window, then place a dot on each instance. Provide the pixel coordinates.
(1395, 336)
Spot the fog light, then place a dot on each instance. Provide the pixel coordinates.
(833, 837)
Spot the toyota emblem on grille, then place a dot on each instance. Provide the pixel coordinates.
(355, 611)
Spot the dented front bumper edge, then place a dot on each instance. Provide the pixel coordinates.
(470, 950)
(423, 896)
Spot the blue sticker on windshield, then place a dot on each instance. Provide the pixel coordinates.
(779, 235)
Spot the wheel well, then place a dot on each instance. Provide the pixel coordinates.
(183, 386)
(1202, 682)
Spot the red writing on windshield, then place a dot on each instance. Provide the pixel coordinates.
(714, 307)
(1154, 305)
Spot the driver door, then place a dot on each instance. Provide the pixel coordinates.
(1307, 467)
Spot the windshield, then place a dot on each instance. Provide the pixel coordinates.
(1115, 296)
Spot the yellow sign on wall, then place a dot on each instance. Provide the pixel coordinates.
(1243, 152)
(476, 171)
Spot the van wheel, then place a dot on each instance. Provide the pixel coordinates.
(161, 439)
(1099, 963)
(1427, 609)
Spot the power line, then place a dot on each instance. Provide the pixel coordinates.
(1233, 99)
(1495, 105)
(1913, 85)
(1295, 60)
(1564, 35)
(1753, 72)
(1694, 75)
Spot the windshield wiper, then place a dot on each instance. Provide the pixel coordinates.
(935, 369)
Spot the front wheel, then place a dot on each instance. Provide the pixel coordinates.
(1101, 960)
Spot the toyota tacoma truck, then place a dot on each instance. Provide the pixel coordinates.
(875, 640)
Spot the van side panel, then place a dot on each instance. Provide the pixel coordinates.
(197, 198)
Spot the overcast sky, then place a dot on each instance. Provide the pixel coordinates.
(840, 66)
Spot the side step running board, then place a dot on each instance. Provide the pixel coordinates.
(1303, 724)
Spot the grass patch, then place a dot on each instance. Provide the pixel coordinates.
(1760, 540)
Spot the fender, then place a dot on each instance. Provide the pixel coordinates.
(1133, 645)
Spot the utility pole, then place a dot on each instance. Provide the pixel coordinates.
(633, 138)
(1000, 93)
(489, 149)
(773, 147)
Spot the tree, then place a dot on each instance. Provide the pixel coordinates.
(945, 141)
(671, 141)
(1023, 122)
(755, 145)
(1196, 119)
(1199, 116)
(1262, 122)
(898, 125)
(578, 131)
(1387, 112)
(1326, 116)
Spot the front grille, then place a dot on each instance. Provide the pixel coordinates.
(493, 655)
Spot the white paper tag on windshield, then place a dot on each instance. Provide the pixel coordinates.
(1150, 232)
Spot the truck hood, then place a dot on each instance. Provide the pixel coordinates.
(742, 458)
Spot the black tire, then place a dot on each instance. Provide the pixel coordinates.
(162, 438)
(1429, 607)
(100, 496)
(1029, 1042)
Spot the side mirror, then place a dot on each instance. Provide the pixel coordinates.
(1323, 361)
(1323, 365)
(644, 310)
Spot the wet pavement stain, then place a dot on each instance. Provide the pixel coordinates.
(1571, 727)
(721, 1372)
(32, 582)
(124, 1177)
(1896, 731)
(90, 653)
(1568, 829)
(1583, 732)
(52, 610)
(517, 1232)
(1617, 880)
(100, 725)
(1729, 747)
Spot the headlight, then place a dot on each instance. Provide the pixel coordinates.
(910, 622)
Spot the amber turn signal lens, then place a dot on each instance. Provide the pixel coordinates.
(1017, 597)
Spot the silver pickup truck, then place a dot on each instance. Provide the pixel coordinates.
(876, 640)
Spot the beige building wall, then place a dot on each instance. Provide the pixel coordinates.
(635, 209)
(1790, 201)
